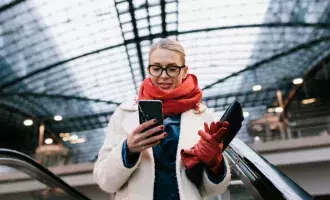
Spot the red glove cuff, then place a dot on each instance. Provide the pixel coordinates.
(217, 169)
(188, 158)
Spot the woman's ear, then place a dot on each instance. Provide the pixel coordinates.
(185, 70)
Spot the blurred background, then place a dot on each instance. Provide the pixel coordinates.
(66, 65)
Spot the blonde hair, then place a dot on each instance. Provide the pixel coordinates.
(171, 45)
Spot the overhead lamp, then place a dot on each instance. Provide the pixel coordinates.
(73, 141)
(74, 137)
(308, 101)
(256, 87)
(271, 110)
(28, 122)
(246, 114)
(298, 81)
(81, 140)
(49, 141)
(257, 138)
(278, 109)
(58, 117)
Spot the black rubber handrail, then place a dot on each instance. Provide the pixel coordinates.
(27, 164)
(262, 179)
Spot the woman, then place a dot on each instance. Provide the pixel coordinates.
(138, 167)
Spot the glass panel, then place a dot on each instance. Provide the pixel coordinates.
(236, 191)
(17, 185)
(76, 49)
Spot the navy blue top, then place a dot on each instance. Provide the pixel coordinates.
(165, 186)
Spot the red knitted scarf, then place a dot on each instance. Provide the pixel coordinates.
(184, 97)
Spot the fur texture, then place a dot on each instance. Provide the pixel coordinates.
(137, 183)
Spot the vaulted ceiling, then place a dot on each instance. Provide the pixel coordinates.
(81, 58)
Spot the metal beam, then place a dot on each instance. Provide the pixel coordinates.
(36, 120)
(148, 37)
(16, 111)
(148, 19)
(308, 74)
(236, 94)
(270, 59)
(163, 16)
(126, 49)
(79, 124)
(177, 17)
(137, 39)
(52, 66)
(66, 97)
(10, 5)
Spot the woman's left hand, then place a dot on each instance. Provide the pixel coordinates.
(210, 147)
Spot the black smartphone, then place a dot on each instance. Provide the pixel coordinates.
(233, 115)
(151, 109)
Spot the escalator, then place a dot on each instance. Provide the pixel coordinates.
(254, 178)
(51, 187)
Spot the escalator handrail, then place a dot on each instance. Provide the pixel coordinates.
(15, 159)
(262, 178)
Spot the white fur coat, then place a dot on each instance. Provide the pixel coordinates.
(137, 183)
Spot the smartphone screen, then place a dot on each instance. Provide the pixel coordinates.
(151, 109)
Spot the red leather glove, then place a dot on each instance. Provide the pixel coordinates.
(208, 149)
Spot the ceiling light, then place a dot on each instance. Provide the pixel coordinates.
(271, 110)
(298, 81)
(58, 117)
(74, 137)
(256, 87)
(49, 141)
(81, 140)
(73, 141)
(28, 122)
(257, 138)
(278, 109)
(308, 101)
(246, 114)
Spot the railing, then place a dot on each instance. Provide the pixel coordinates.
(26, 164)
(262, 179)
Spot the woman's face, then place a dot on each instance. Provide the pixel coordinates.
(167, 58)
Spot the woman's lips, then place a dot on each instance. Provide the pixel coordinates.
(165, 86)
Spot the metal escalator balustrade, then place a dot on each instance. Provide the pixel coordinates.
(28, 165)
(262, 179)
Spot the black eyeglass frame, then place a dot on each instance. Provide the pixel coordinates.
(165, 69)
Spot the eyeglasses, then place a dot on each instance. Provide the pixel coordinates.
(171, 71)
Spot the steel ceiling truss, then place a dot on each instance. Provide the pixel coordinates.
(271, 59)
(126, 48)
(10, 5)
(158, 35)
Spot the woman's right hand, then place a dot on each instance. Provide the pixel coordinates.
(138, 141)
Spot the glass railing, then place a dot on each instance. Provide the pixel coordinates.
(254, 178)
(260, 178)
(39, 183)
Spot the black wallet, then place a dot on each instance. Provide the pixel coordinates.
(233, 115)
